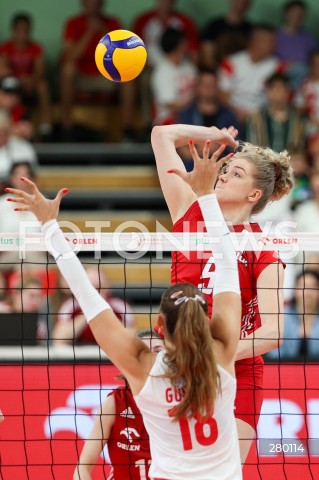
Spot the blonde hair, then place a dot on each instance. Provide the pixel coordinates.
(273, 173)
(190, 359)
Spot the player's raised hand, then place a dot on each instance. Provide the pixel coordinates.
(225, 136)
(203, 177)
(43, 208)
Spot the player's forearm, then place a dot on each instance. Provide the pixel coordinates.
(263, 340)
(91, 303)
(179, 134)
(226, 269)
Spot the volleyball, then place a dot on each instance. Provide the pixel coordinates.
(120, 56)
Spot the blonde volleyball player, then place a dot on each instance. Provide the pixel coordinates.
(186, 392)
(252, 178)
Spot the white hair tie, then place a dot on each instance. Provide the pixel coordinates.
(185, 298)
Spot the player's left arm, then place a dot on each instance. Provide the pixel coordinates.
(125, 350)
(271, 309)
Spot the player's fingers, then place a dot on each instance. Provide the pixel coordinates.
(17, 192)
(31, 184)
(61, 193)
(218, 153)
(194, 152)
(25, 208)
(206, 149)
(16, 200)
(179, 173)
(227, 158)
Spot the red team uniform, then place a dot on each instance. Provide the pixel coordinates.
(73, 31)
(128, 444)
(198, 269)
(21, 60)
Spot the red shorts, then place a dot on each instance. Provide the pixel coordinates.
(249, 397)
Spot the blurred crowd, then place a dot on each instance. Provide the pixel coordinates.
(265, 80)
(262, 80)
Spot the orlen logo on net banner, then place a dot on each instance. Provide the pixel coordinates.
(78, 414)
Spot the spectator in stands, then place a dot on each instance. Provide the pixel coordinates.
(4, 304)
(10, 100)
(307, 214)
(151, 25)
(119, 410)
(277, 124)
(78, 69)
(205, 110)
(13, 149)
(301, 190)
(225, 35)
(26, 296)
(71, 326)
(307, 97)
(301, 330)
(10, 220)
(173, 80)
(242, 75)
(24, 58)
(294, 44)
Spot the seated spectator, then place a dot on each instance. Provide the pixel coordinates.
(173, 80)
(26, 296)
(301, 329)
(18, 222)
(242, 75)
(24, 58)
(225, 35)
(294, 44)
(79, 73)
(307, 220)
(307, 214)
(151, 25)
(10, 219)
(301, 190)
(277, 124)
(205, 110)
(13, 149)
(307, 97)
(10, 100)
(71, 326)
(4, 304)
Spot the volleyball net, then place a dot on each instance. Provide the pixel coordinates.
(54, 378)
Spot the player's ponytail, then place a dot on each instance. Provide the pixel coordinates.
(189, 351)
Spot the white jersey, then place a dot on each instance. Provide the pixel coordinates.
(245, 80)
(188, 448)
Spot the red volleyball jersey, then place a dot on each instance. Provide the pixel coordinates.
(74, 29)
(198, 268)
(128, 444)
(21, 60)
